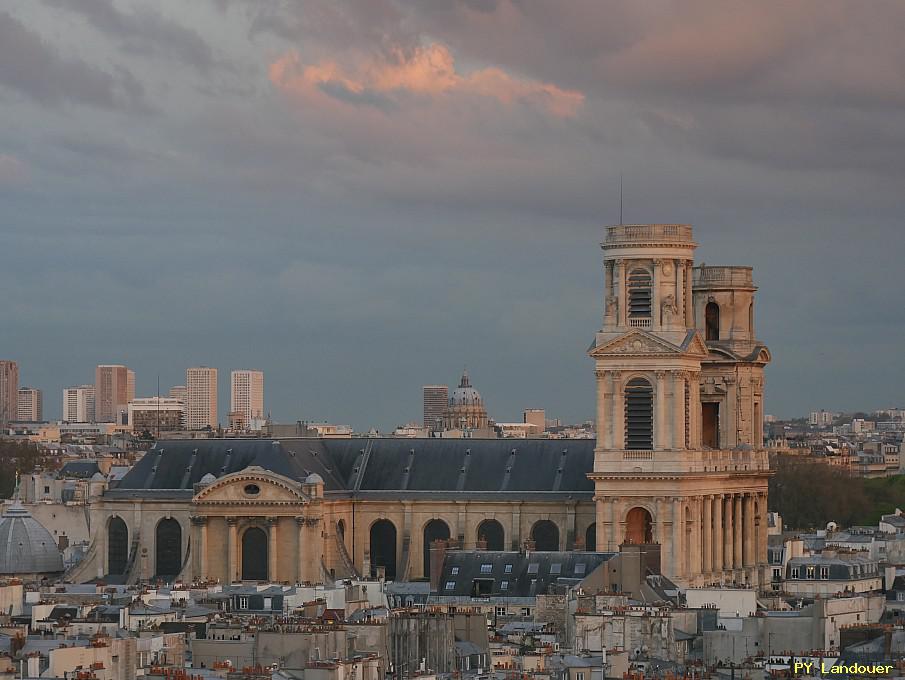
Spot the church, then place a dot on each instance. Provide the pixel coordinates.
(678, 461)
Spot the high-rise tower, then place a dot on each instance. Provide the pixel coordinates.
(679, 403)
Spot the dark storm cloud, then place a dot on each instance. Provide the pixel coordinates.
(32, 67)
(382, 191)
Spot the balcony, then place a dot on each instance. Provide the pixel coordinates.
(723, 277)
(671, 461)
(643, 322)
(648, 233)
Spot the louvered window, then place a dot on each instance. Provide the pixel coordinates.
(639, 293)
(639, 415)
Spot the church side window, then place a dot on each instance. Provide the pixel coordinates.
(639, 415)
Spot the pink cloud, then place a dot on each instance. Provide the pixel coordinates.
(428, 71)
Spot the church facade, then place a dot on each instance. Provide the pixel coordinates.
(678, 461)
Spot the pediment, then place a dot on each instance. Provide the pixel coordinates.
(252, 486)
(635, 342)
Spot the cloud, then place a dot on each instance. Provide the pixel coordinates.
(427, 71)
(143, 31)
(31, 66)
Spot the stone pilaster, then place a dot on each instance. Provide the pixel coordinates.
(232, 572)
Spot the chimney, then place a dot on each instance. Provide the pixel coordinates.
(437, 556)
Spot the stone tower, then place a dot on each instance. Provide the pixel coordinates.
(679, 409)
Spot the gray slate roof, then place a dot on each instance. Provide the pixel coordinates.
(377, 467)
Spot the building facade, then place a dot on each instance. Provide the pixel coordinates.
(9, 390)
(678, 461)
(247, 395)
(78, 404)
(29, 405)
(200, 398)
(155, 415)
(114, 388)
(679, 458)
(435, 399)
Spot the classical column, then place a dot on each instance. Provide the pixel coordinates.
(103, 550)
(655, 298)
(749, 531)
(678, 409)
(661, 441)
(678, 533)
(608, 292)
(761, 556)
(272, 549)
(707, 542)
(603, 428)
(618, 411)
(614, 528)
(728, 551)
(679, 289)
(718, 533)
(694, 406)
(300, 557)
(623, 294)
(738, 532)
(233, 539)
(661, 536)
(689, 301)
(199, 546)
(697, 530)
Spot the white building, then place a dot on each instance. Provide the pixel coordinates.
(78, 404)
(201, 398)
(30, 405)
(247, 395)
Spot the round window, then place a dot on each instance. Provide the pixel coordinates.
(252, 489)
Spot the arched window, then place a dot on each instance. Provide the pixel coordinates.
(491, 531)
(638, 526)
(751, 320)
(712, 321)
(545, 535)
(590, 538)
(117, 546)
(639, 293)
(168, 547)
(435, 530)
(383, 547)
(254, 555)
(639, 415)
(341, 530)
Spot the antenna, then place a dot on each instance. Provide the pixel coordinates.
(620, 199)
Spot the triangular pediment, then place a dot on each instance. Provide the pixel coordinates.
(697, 346)
(252, 486)
(636, 342)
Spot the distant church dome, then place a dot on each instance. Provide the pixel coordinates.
(26, 547)
(207, 480)
(465, 394)
(466, 409)
(314, 478)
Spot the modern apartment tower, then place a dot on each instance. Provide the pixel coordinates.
(436, 399)
(201, 398)
(30, 405)
(9, 389)
(114, 388)
(247, 394)
(78, 404)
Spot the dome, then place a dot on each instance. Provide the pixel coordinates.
(314, 478)
(207, 479)
(26, 547)
(465, 394)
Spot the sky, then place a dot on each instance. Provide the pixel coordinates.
(362, 197)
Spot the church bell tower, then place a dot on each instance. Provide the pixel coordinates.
(679, 378)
